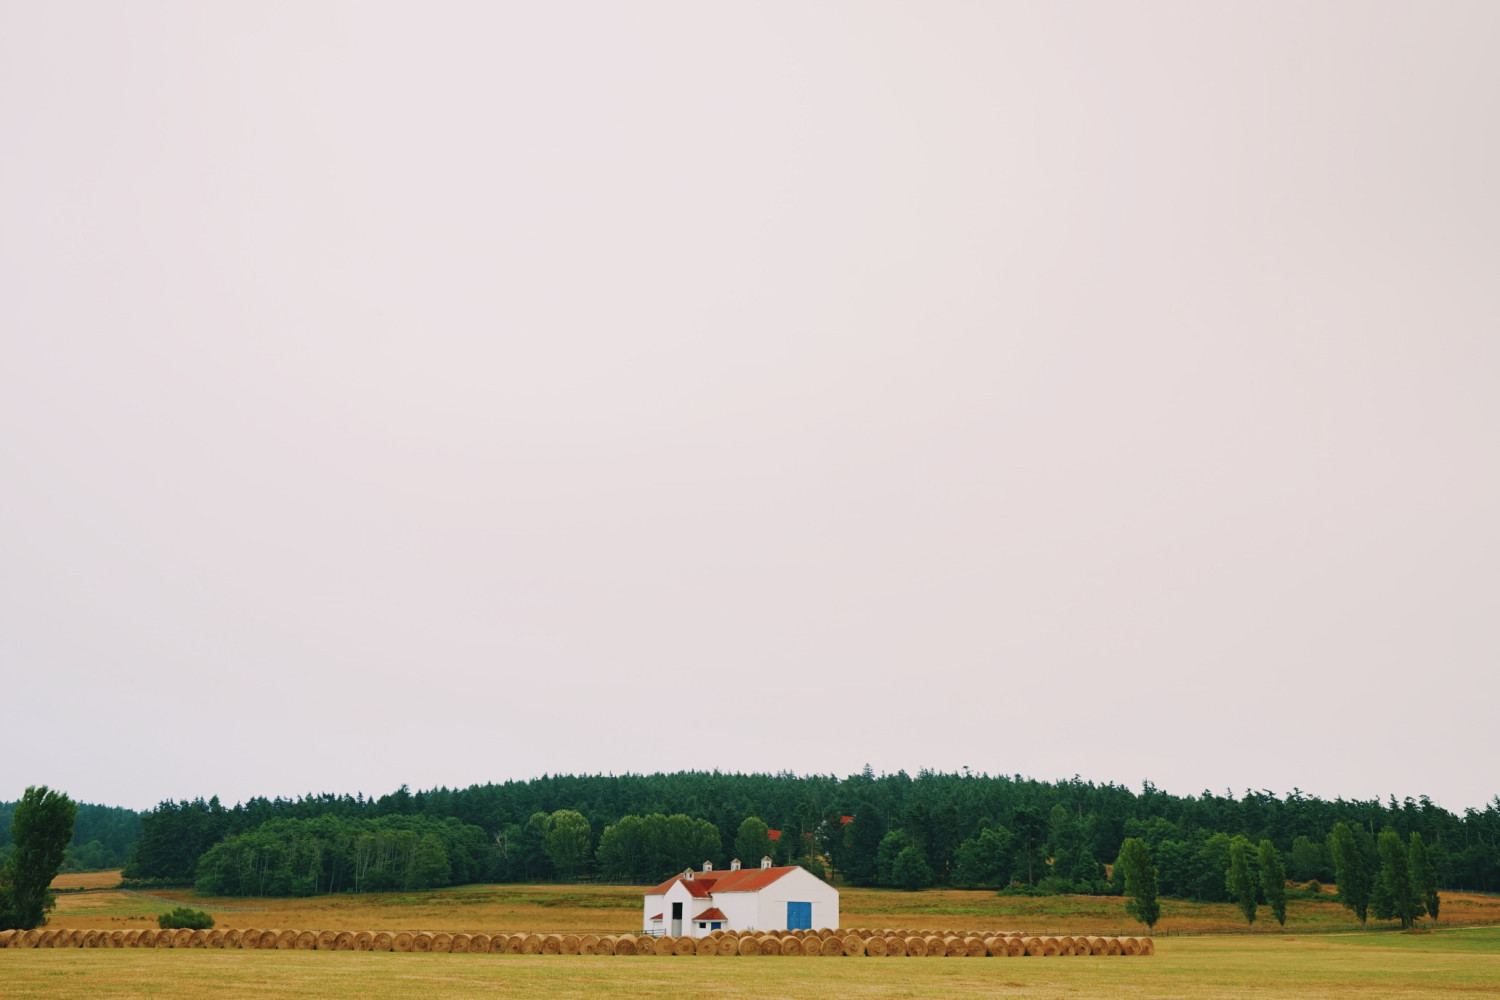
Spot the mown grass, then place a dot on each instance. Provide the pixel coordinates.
(615, 909)
(1255, 967)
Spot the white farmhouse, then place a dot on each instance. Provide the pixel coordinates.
(695, 904)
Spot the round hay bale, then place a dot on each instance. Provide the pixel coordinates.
(709, 945)
(1050, 947)
(916, 947)
(854, 946)
(589, 944)
(1034, 947)
(895, 946)
(214, 939)
(1098, 946)
(624, 944)
(284, 940)
(1131, 945)
(955, 947)
(994, 946)
(935, 947)
(421, 942)
(403, 941)
(1081, 946)
(117, 939)
(198, 939)
(770, 944)
(792, 945)
(164, 938)
(246, 938)
(132, 939)
(727, 945)
(665, 945)
(459, 944)
(90, 939)
(568, 945)
(342, 941)
(513, 944)
(147, 939)
(531, 944)
(976, 945)
(45, 938)
(383, 941)
(684, 946)
(1112, 946)
(5, 937)
(829, 947)
(442, 943)
(875, 947)
(1148, 946)
(325, 940)
(306, 941)
(552, 944)
(54, 938)
(1065, 945)
(749, 946)
(364, 941)
(606, 945)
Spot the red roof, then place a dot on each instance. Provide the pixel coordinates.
(657, 917)
(744, 880)
(774, 834)
(846, 820)
(712, 913)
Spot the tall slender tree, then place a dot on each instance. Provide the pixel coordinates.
(1273, 880)
(1238, 881)
(1349, 870)
(1398, 897)
(41, 828)
(1423, 877)
(1140, 882)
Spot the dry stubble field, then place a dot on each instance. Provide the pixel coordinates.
(1194, 958)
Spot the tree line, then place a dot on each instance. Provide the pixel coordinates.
(1006, 832)
(103, 836)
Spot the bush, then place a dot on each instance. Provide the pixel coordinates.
(194, 920)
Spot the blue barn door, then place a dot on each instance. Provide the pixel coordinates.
(799, 916)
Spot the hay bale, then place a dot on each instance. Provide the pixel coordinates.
(514, 944)
(459, 944)
(421, 942)
(214, 939)
(280, 939)
(383, 941)
(589, 943)
(5, 937)
(90, 939)
(1098, 946)
(606, 945)
(954, 946)
(1131, 945)
(45, 938)
(325, 940)
(147, 939)
(994, 946)
(198, 939)
(442, 943)
(854, 946)
(727, 945)
(568, 945)
(1065, 946)
(709, 945)
(306, 941)
(342, 941)
(935, 947)
(552, 944)
(875, 946)
(684, 946)
(977, 946)
(531, 944)
(749, 946)
(404, 941)
(363, 941)
(1051, 947)
(1148, 946)
(625, 944)
(1081, 946)
(237, 938)
(132, 938)
(1112, 946)
(770, 944)
(665, 945)
(895, 946)
(792, 945)
(916, 946)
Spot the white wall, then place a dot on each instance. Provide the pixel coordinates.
(653, 906)
(801, 887)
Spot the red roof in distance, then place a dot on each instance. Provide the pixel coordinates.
(774, 834)
(744, 880)
(712, 913)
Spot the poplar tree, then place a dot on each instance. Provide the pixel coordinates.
(1423, 878)
(1273, 880)
(1399, 899)
(1349, 870)
(41, 828)
(1140, 882)
(1237, 880)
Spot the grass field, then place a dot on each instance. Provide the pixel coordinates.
(615, 909)
(1208, 967)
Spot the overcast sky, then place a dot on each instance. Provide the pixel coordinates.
(449, 393)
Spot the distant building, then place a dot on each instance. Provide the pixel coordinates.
(695, 904)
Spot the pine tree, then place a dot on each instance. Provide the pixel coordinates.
(1273, 880)
(1238, 881)
(1423, 878)
(1349, 869)
(1140, 881)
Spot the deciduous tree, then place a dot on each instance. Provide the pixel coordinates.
(1273, 880)
(752, 841)
(1237, 879)
(41, 829)
(1349, 870)
(1423, 878)
(1140, 881)
(568, 841)
(1397, 898)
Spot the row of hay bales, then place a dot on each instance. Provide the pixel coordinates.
(826, 943)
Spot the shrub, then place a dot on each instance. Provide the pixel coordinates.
(195, 920)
